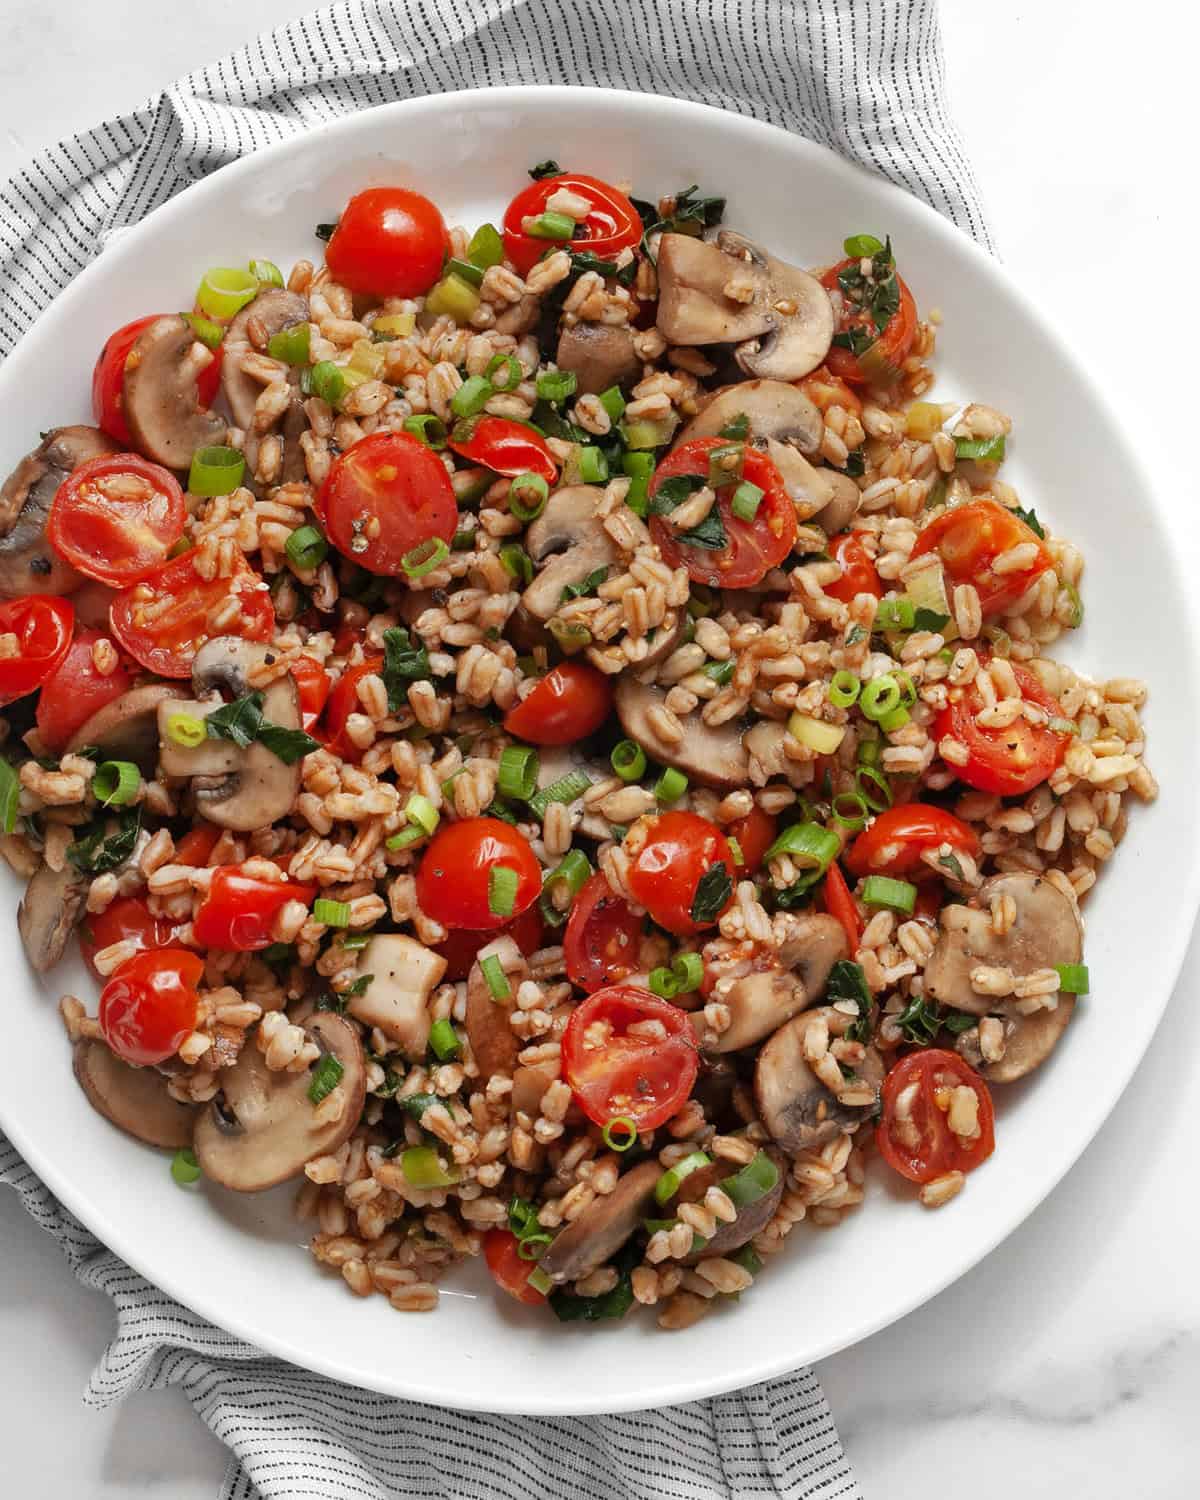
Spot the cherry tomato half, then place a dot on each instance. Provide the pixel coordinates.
(920, 1144)
(568, 704)
(755, 833)
(164, 620)
(883, 362)
(454, 877)
(239, 910)
(37, 630)
(1008, 762)
(611, 223)
(603, 936)
(679, 850)
(76, 691)
(504, 447)
(128, 920)
(343, 701)
(461, 946)
(149, 1005)
(108, 379)
(389, 242)
(858, 570)
(970, 537)
(312, 683)
(896, 840)
(382, 498)
(508, 1269)
(751, 548)
(839, 903)
(642, 1078)
(196, 846)
(116, 518)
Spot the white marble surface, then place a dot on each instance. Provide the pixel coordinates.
(1069, 1361)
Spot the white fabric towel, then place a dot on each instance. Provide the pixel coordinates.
(864, 77)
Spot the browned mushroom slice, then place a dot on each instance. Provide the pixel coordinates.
(28, 563)
(494, 1043)
(403, 975)
(713, 756)
(569, 542)
(134, 1099)
(126, 728)
(752, 1219)
(530, 1082)
(843, 503)
(160, 398)
(802, 329)
(603, 1227)
(599, 355)
(1029, 1040)
(49, 910)
(759, 1003)
(773, 410)
(797, 1110)
(274, 309)
(262, 1127)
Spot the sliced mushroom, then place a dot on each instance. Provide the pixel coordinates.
(1029, 1040)
(49, 910)
(530, 1082)
(713, 756)
(797, 1110)
(603, 1227)
(751, 1220)
(781, 318)
(842, 506)
(599, 355)
(262, 1127)
(403, 975)
(774, 410)
(760, 1002)
(160, 399)
(274, 309)
(494, 1043)
(571, 542)
(126, 728)
(134, 1099)
(812, 943)
(28, 563)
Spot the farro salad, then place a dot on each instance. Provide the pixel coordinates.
(545, 737)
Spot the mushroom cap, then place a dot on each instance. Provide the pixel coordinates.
(50, 908)
(403, 975)
(134, 1099)
(28, 563)
(796, 1109)
(773, 408)
(571, 542)
(843, 504)
(713, 756)
(160, 398)
(494, 1043)
(260, 1129)
(603, 1227)
(1029, 1041)
(761, 1001)
(275, 308)
(751, 1220)
(126, 728)
(599, 355)
(801, 332)
(692, 305)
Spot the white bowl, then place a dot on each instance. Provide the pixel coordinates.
(241, 1261)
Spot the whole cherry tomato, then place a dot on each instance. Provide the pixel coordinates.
(508, 1269)
(618, 1074)
(389, 242)
(383, 499)
(683, 872)
(882, 361)
(914, 1134)
(37, 630)
(128, 920)
(455, 881)
(570, 702)
(343, 701)
(611, 222)
(108, 379)
(116, 518)
(858, 570)
(312, 683)
(239, 910)
(839, 903)
(755, 833)
(461, 946)
(150, 1004)
(970, 537)
(504, 447)
(1011, 761)
(897, 838)
(76, 691)
(603, 936)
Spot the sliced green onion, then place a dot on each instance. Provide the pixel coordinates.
(816, 733)
(502, 890)
(725, 465)
(735, 849)
(354, 942)
(628, 760)
(663, 984)
(215, 471)
(895, 614)
(518, 773)
(464, 541)
(186, 730)
(566, 789)
(421, 811)
(332, 382)
(880, 697)
(668, 1184)
(116, 782)
(555, 386)
(746, 500)
(517, 561)
(539, 1281)
(851, 811)
(209, 334)
(882, 890)
(511, 366)
(266, 272)
(472, 396)
(549, 226)
(670, 786)
(844, 688)
(640, 468)
(185, 1169)
(574, 872)
(425, 557)
(688, 971)
(429, 429)
(613, 403)
(332, 913)
(806, 844)
(869, 750)
(394, 325)
(874, 788)
(413, 834)
(894, 720)
(486, 247)
(416, 1104)
(908, 689)
(755, 1180)
(646, 434)
(444, 1040)
(571, 635)
(497, 980)
(10, 795)
(620, 1134)
(325, 1078)
(527, 496)
(423, 1167)
(593, 466)
(721, 672)
(465, 271)
(1075, 619)
(307, 548)
(530, 1246)
(981, 450)
(225, 290)
(1073, 978)
(860, 245)
(453, 298)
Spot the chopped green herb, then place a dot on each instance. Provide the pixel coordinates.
(847, 981)
(10, 795)
(929, 619)
(242, 722)
(98, 851)
(585, 586)
(547, 168)
(325, 1078)
(919, 1021)
(1030, 517)
(402, 663)
(713, 891)
(738, 430)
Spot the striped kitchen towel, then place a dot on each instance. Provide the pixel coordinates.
(864, 77)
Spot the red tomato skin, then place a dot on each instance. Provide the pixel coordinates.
(943, 1153)
(755, 833)
(825, 389)
(916, 826)
(968, 537)
(43, 625)
(461, 946)
(128, 919)
(612, 224)
(313, 686)
(881, 365)
(452, 879)
(569, 703)
(615, 1079)
(196, 846)
(149, 1005)
(1006, 762)
(508, 1270)
(839, 903)
(858, 570)
(89, 528)
(342, 702)
(505, 447)
(389, 242)
(678, 849)
(754, 547)
(108, 379)
(76, 691)
(603, 937)
(238, 910)
(393, 478)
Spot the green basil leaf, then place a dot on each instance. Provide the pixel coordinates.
(710, 533)
(1030, 518)
(238, 721)
(674, 491)
(713, 891)
(587, 586)
(10, 795)
(547, 168)
(287, 745)
(929, 619)
(402, 663)
(99, 851)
